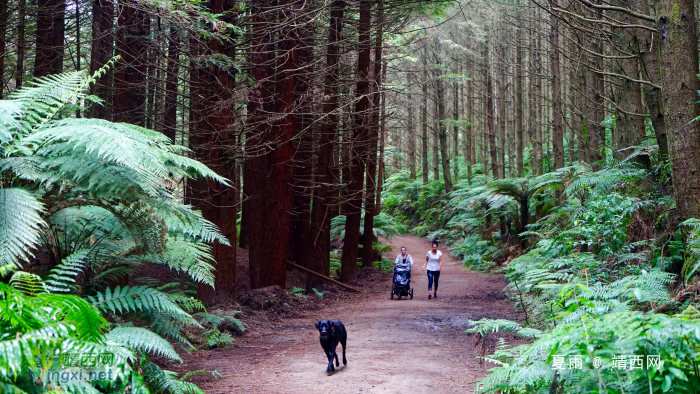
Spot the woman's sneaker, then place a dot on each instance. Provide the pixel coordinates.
(429, 296)
(435, 295)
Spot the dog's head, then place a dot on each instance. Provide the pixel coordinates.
(325, 328)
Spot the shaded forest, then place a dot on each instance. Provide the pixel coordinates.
(555, 142)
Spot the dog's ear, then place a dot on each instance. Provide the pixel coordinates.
(318, 324)
(332, 324)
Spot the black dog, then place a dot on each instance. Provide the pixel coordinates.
(332, 332)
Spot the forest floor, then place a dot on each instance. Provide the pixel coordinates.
(406, 346)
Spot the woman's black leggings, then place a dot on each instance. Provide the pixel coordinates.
(433, 275)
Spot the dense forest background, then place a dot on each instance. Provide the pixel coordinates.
(558, 140)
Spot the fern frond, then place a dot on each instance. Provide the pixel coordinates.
(141, 339)
(10, 112)
(193, 258)
(20, 225)
(139, 299)
(163, 381)
(28, 283)
(88, 321)
(42, 98)
(62, 277)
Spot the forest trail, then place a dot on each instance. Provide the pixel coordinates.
(406, 346)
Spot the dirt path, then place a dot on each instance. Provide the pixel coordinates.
(407, 346)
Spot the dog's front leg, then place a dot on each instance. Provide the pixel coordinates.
(335, 353)
(329, 354)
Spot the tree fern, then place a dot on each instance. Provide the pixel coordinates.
(62, 277)
(162, 381)
(138, 299)
(20, 224)
(143, 340)
(28, 283)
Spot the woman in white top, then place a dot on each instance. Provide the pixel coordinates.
(433, 261)
(404, 258)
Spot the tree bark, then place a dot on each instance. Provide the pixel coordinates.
(653, 99)
(50, 29)
(348, 269)
(442, 127)
(557, 107)
(261, 139)
(424, 124)
(130, 73)
(371, 181)
(471, 149)
(411, 138)
(678, 67)
(455, 128)
(4, 15)
(21, 42)
(489, 113)
(537, 139)
(381, 171)
(501, 100)
(100, 54)
(323, 198)
(171, 86)
(212, 140)
(519, 141)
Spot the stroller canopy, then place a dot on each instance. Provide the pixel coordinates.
(402, 274)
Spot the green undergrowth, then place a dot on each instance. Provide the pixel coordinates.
(602, 276)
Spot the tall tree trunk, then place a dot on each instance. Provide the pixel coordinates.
(4, 15)
(442, 127)
(678, 67)
(471, 149)
(260, 135)
(101, 53)
(301, 56)
(424, 125)
(348, 269)
(489, 113)
(211, 138)
(171, 85)
(411, 138)
(21, 42)
(557, 107)
(629, 128)
(130, 73)
(323, 198)
(537, 139)
(653, 100)
(455, 128)
(519, 140)
(382, 142)
(371, 181)
(50, 28)
(501, 83)
(436, 140)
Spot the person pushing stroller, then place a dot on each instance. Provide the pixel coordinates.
(402, 275)
(404, 258)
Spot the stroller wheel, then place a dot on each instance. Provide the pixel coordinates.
(411, 294)
(392, 294)
(399, 297)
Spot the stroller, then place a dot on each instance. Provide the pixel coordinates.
(402, 281)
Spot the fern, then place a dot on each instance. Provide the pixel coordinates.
(142, 340)
(162, 381)
(138, 299)
(20, 223)
(27, 283)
